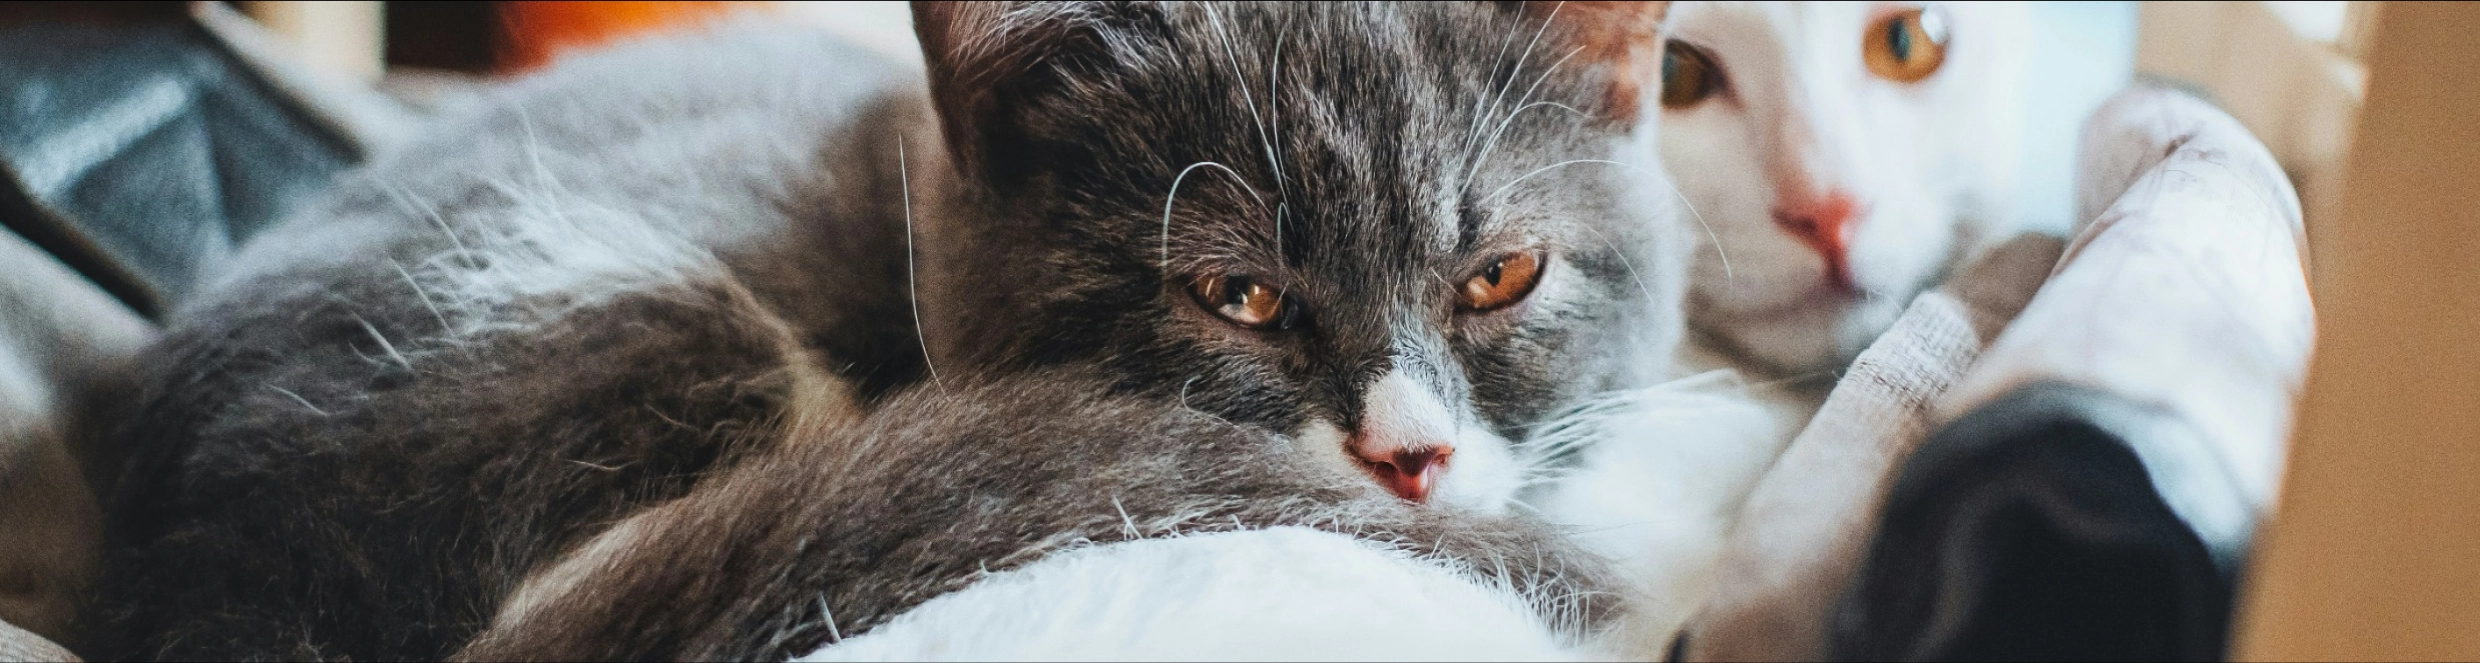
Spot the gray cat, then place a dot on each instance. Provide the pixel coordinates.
(1372, 241)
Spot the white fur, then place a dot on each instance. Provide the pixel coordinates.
(1662, 473)
(1483, 475)
(1930, 163)
(1276, 594)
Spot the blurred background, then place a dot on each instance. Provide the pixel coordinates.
(2290, 70)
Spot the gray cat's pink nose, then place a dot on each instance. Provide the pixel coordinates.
(1824, 223)
(1402, 436)
(1410, 473)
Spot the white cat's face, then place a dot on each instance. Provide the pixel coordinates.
(1843, 156)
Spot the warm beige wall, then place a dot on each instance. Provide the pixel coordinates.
(2297, 93)
(344, 38)
(2375, 553)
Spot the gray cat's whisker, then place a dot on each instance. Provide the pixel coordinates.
(1129, 523)
(1519, 69)
(1273, 163)
(1174, 198)
(1502, 190)
(594, 465)
(533, 150)
(835, 635)
(1700, 218)
(1491, 144)
(1474, 169)
(1473, 131)
(1280, 208)
(298, 399)
(383, 342)
(407, 201)
(423, 295)
(1274, 109)
(912, 286)
(1624, 262)
(658, 414)
(1727, 275)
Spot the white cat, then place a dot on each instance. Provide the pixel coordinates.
(1843, 157)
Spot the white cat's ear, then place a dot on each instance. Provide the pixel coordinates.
(1626, 36)
(987, 60)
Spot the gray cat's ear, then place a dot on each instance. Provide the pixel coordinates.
(1627, 36)
(990, 61)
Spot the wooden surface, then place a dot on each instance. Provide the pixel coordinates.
(2375, 552)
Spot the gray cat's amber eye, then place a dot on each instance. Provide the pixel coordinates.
(1689, 76)
(1244, 301)
(1504, 282)
(1905, 46)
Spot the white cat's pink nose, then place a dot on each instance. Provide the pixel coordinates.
(1824, 223)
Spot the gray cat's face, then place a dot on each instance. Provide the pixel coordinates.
(1369, 226)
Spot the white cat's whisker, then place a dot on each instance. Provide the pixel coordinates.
(912, 285)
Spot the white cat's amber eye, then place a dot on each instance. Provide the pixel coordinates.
(1906, 46)
(1689, 76)
(1504, 282)
(1244, 301)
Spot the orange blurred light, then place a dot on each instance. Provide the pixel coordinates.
(538, 32)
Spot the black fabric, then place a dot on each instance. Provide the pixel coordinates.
(2028, 530)
(141, 155)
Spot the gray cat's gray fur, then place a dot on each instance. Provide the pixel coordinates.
(492, 344)
(939, 487)
(616, 283)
